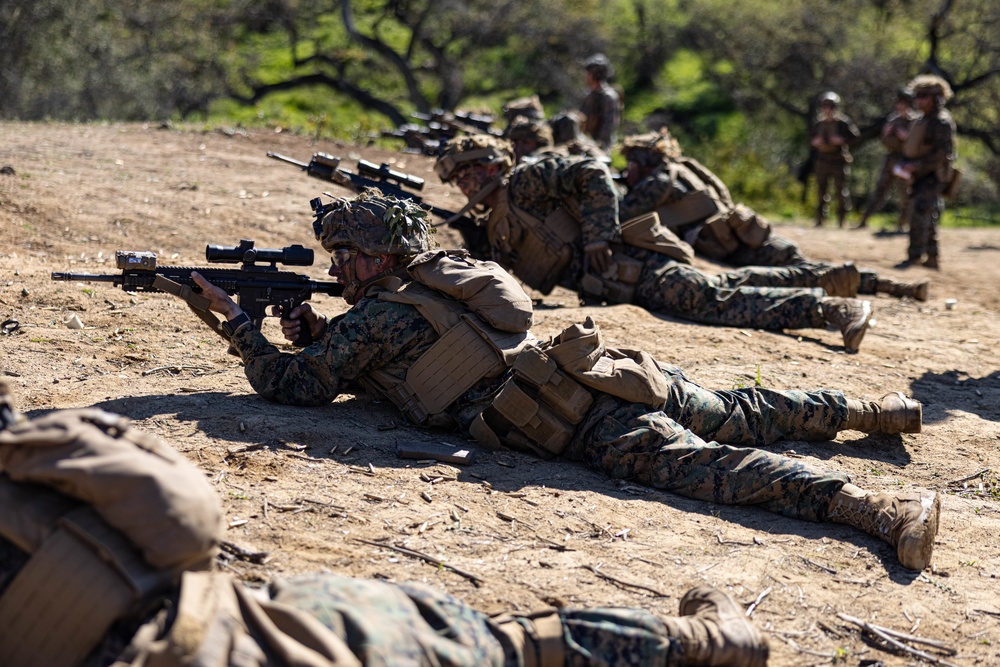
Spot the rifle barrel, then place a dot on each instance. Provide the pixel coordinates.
(285, 158)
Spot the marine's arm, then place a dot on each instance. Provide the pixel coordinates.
(941, 151)
(649, 194)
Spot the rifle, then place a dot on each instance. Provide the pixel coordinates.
(392, 183)
(256, 286)
(458, 121)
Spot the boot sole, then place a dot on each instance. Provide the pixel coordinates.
(920, 540)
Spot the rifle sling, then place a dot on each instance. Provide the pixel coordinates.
(474, 201)
(196, 302)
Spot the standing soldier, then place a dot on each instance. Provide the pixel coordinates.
(602, 106)
(830, 136)
(894, 133)
(928, 155)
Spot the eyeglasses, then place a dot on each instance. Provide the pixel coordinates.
(340, 256)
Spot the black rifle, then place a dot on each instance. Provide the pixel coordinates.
(256, 286)
(392, 183)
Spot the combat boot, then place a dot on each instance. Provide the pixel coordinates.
(908, 522)
(932, 262)
(850, 316)
(895, 413)
(916, 291)
(713, 631)
(841, 280)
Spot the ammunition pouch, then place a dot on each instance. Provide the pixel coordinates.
(536, 410)
(647, 232)
(723, 234)
(617, 284)
(536, 251)
(537, 637)
(549, 392)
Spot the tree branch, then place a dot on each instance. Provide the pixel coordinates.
(384, 50)
(339, 84)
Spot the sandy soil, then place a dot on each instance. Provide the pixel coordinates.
(304, 484)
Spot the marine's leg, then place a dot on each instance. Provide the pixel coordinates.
(775, 251)
(754, 417)
(923, 207)
(823, 176)
(650, 448)
(885, 180)
(842, 179)
(627, 442)
(683, 291)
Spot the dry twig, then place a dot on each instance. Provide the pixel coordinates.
(890, 637)
(621, 582)
(475, 579)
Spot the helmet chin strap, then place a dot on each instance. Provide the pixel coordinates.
(356, 288)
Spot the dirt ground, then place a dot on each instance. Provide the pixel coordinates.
(304, 484)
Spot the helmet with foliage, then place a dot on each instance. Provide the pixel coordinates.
(933, 85)
(829, 97)
(529, 107)
(529, 129)
(599, 66)
(651, 148)
(374, 224)
(477, 148)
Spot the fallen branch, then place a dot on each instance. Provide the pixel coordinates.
(890, 637)
(760, 598)
(258, 557)
(968, 477)
(620, 582)
(475, 579)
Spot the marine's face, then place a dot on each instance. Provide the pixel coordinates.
(925, 102)
(828, 109)
(635, 171)
(470, 178)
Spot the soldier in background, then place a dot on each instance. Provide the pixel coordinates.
(602, 107)
(107, 537)
(523, 107)
(568, 140)
(555, 221)
(831, 135)
(894, 132)
(694, 203)
(927, 166)
(528, 137)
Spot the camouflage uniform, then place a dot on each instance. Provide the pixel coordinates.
(894, 154)
(618, 438)
(412, 624)
(932, 158)
(602, 115)
(657, 189)
(833, 163)
(761, 297)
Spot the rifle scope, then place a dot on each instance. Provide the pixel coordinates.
(293, 255)
(383, 172)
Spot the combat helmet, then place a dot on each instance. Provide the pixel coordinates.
(479, 148)
(529, 107)
(651, 148)
(599, 65)
(829, 97)
(523, 128)
(933, 85)
(374, 224)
